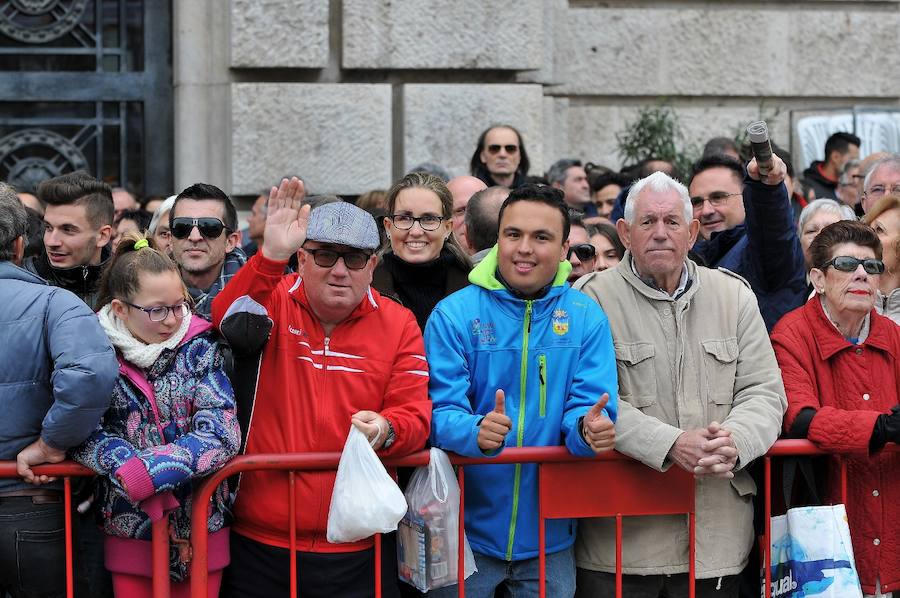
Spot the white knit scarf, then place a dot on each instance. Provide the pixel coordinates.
(135, 351)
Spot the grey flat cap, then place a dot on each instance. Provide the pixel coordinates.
(342, 223)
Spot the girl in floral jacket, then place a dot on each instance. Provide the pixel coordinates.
(171, 421)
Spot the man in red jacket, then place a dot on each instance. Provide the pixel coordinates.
(333, 353)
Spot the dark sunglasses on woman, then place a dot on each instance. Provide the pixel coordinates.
(845, 263)
(210, 228)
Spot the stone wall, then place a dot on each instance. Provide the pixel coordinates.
(351, 93)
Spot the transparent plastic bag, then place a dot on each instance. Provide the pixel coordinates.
(365, 500)
(428, 536)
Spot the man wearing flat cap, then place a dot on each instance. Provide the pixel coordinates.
(333, 353)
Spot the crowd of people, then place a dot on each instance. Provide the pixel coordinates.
(685, 325)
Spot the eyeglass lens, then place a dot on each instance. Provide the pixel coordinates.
(210, 228)
(495, 148)
(846, 263)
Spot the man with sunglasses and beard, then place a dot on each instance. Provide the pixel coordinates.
(206, 243)
(336, 354)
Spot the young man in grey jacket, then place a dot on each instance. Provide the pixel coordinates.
(699, 388)
(57, 370)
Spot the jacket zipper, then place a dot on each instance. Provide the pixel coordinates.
(542, 374)
(520, 433)
(316, 537)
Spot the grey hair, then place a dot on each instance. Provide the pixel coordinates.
(13, 221)
(163, 208)
(557, 172)
(845, 172)
(828, 205)
(659, 182)
(891, 161)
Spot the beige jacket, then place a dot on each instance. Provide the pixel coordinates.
(683, 364)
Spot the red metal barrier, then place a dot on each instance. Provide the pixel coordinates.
(674, 495)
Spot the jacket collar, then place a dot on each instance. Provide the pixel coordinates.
(625, 270)
(10, 271)
(829, 340)
(77, 278)
(368, 304)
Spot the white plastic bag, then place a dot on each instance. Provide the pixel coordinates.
(365, 500)
(428, 537)
(811, 551)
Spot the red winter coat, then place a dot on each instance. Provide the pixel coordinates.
(849, 386)
(308, 387)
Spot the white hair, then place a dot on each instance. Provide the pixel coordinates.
(891, 162)
(827, 205)
(659, 182)
(162, 209)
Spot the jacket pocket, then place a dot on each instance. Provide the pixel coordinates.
(542, 377)
(743, 484)
(720, 364)
(637, 373)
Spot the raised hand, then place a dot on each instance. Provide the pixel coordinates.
(774, 177)
(286, 221)
(495, 426)
(598, 430)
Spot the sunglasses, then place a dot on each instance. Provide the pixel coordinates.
(210, 228)
(584, 252)
(495, 148)
(326, 258)
(845, 263)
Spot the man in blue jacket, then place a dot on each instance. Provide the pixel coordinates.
(747, 226)
(57, 370)
(518, 358)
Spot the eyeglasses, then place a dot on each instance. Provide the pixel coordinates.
(210, 228)
(585, 252)
(495, 148)
(716, 198)
(161, 312)
(879, 190)
(326, 258)
(428, 222)
(845, 263)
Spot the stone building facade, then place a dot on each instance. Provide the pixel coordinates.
(349, 94)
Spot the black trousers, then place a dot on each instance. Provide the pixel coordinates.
(263, 571)
(32, 548)
(595, 584)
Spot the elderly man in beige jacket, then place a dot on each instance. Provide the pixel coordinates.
(699, 388)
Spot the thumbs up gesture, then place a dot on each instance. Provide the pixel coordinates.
(495, 426)
(598, 430)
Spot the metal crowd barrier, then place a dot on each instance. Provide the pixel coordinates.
(638, 491)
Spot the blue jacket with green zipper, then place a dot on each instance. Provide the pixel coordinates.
(553, 357)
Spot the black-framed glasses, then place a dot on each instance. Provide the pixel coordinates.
(210, 228)
(161, 312)
(495, 148)
(716, 198)
(846, 263)
(326, 258)
(584, 252)
(428, 222)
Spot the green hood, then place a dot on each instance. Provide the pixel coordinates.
(483, 274)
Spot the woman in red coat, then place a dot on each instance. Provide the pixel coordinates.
(840, 362)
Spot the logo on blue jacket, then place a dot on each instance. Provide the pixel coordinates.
(560, 321)
(484, 332)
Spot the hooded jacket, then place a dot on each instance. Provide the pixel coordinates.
(57, 369)
(553, 358)
(309, 386)
(823, 186)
